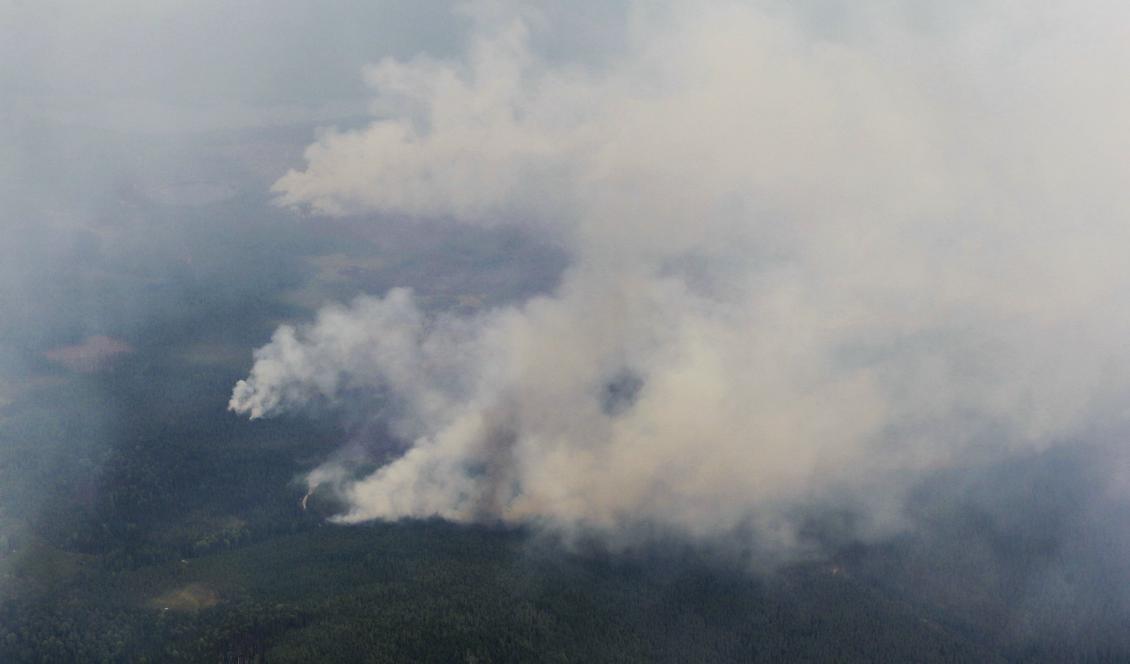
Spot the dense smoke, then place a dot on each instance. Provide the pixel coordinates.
(809, 263)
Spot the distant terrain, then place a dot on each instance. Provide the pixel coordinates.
(141, 521)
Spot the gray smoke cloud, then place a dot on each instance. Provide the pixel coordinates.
(810, 262)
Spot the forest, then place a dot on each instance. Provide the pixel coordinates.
(140, 521)
(190, 545)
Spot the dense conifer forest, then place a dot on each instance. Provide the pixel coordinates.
(190, 545)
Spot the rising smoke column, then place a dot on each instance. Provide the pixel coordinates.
(808, 264)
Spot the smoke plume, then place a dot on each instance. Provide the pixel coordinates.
(809, 264)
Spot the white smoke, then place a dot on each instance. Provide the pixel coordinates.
(823, 261)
